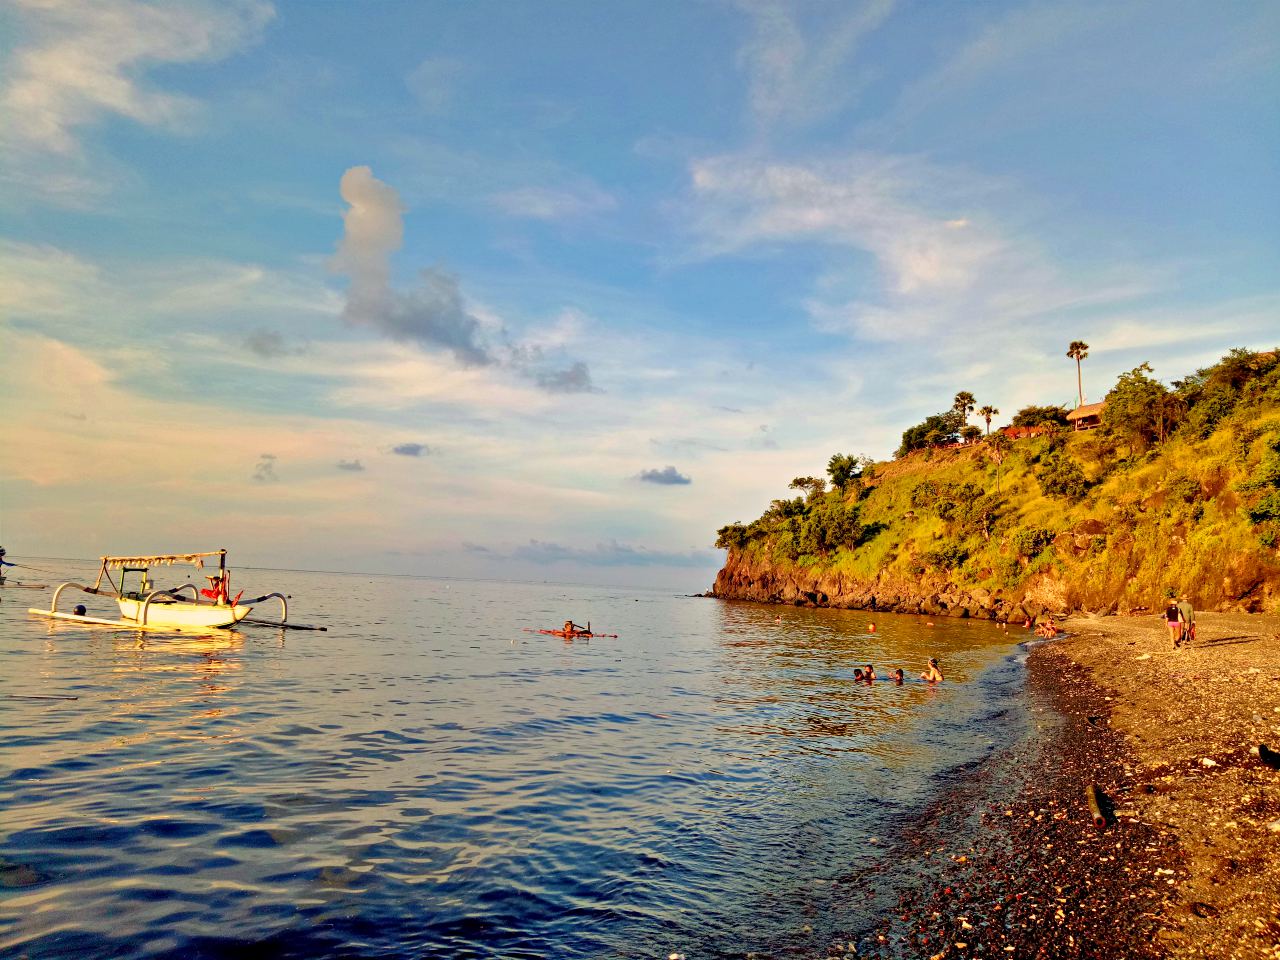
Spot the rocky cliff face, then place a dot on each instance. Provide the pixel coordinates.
(744, 578)
(1241, 584)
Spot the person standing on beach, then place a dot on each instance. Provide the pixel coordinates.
(1173, 622)
(1187, 618)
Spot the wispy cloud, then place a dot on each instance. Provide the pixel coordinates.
(548, 203)
(351, 466)
(87, 59)
(433, 82)
(665, 477)
(76, 63)
(942, 255)
(796, 77)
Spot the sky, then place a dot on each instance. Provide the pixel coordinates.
(553, 291)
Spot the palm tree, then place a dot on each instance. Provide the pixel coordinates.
(986, 413)
(963, 405)
(998, 448)
(1077, 352)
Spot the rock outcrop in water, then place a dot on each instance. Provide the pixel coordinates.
(1101, 520)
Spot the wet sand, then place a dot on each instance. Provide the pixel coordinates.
(1010, 864)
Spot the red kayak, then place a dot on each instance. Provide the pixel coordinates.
(577, 635)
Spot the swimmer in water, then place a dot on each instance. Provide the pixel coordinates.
(934, 673)
(898, 677)
(857, 674)
(869, 674)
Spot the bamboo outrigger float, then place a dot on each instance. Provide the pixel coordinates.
(148, 608)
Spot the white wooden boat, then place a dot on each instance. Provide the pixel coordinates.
(145, 607)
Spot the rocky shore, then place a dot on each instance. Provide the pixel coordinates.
(1011, 863)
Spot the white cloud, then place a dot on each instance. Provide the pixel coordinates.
(794, 79)
(86, 59)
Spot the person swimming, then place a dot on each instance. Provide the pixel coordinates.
(934, 673)
(869, 674)
(857, 674)
(898, 677)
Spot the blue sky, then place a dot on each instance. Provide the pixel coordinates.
(554, 291)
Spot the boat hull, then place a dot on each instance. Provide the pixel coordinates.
(183, 614)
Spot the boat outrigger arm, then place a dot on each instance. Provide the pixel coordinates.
(150, 608)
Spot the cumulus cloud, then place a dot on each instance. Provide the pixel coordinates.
(434, 314)
(354, 466)
(610, 554)
(411, 450)
(264, 471)
(667, 476)
(87, 60)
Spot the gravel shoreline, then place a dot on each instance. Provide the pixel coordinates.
(1010, 863)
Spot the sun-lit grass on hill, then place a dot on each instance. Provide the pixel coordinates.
(1178, 490)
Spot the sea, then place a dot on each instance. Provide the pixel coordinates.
(428, 777)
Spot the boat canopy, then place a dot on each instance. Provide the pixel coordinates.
(161, 560)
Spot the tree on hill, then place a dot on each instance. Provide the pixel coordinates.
(969, 433)
(1033, 416)
(941, 428)
(813, 486)
(986, 413)
(1141, 410)
(843, 469)
(1077, 351)
(998, 448)
(963, 405)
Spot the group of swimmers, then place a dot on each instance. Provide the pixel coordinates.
(932, 674)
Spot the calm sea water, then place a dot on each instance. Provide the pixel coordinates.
(427, 779)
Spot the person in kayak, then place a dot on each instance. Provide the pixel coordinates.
(571, 629)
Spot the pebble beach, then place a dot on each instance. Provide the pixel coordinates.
(1012, 864)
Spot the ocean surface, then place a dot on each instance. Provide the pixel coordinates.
(428, 778)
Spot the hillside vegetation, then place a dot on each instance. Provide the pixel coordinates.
(1178, 491)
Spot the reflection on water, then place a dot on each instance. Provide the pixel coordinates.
(428, 778)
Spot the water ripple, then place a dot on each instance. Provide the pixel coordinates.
(428, 779)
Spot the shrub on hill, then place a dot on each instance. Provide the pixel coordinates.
(939, 429)
(1033, 416)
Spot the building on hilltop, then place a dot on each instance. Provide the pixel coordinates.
(1087, 416)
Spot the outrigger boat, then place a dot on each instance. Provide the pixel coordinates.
(149, 608)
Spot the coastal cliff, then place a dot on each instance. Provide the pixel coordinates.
(1107, 520)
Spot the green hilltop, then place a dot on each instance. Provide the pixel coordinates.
(1176, 491)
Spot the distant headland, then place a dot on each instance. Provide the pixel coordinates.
(1112, 507)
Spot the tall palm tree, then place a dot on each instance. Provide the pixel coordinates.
(986, 413)
(963, 405)
(1077, 352)
(998, 448)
